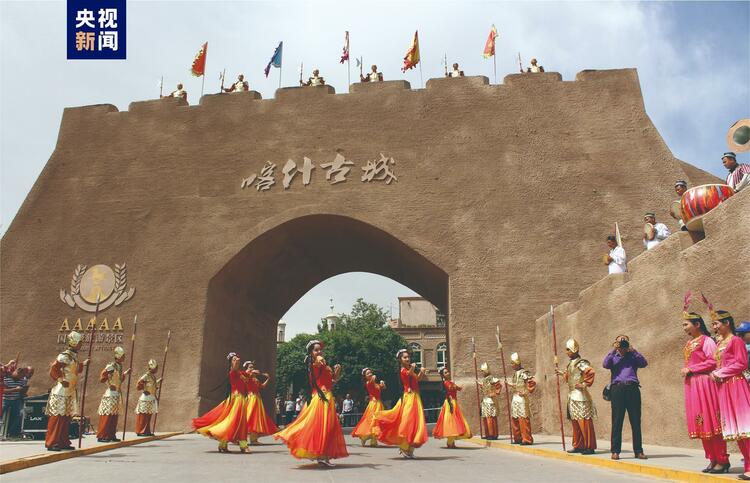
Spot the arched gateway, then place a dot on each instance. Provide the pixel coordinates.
(491, 201)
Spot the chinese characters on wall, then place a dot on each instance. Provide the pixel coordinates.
(336, 171)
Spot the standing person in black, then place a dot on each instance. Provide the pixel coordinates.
(625, 393)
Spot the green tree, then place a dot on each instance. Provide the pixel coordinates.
(361, 339)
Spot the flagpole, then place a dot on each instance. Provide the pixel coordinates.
(349, 73)
(280, 64)
(494, 65)
(421, 79)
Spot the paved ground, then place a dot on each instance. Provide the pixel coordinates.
(192, 458)
(10, 450)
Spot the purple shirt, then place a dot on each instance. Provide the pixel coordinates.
(624, 368)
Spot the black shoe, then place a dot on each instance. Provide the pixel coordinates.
(708, 468)
(53, 448)
(102, 440)
(115, 440)
(67, 448)
(723, 469)
(575, 450)
(524, 443)
(742, 476)
(587, 451)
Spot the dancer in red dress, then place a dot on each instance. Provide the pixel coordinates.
(404, 425)
(230, 424)
(258, 422)
(451, 423)
(316, 433)
(364, 430)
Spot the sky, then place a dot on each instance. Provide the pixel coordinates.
(692, 58)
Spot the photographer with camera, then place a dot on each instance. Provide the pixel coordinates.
(625, 393)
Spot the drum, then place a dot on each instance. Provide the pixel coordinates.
(675, 210)
(649, 231)
(699, 200)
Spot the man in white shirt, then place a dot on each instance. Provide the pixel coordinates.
(739, 174)
(659, 233)
(373, 76)
(348, 404)
(456, 72)
(616, 260)
(534, 68)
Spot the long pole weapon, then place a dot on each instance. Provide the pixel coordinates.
(161, 87)
(130, 376)
(301, 65)
(476, 381)
(361, 63)
(505, 376)
(445, 64)
(557, 378)
(86, 375)
(158, 392)
(520, 65)
(221, 76)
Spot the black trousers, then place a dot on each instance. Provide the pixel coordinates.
(626, 397)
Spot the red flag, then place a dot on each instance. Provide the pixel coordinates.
(345, 54)
(489, 47)
(412, 55)
(199, 63)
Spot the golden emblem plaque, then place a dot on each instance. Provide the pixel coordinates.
(98, 284)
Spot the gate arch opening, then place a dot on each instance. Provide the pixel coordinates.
(257, 286)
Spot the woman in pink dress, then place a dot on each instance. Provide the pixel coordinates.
(702, 393)
(734, 393)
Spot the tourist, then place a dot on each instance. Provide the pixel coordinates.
(739, 174)
(110, 406)
(315, 80)
(404, 425)
(616, 260)
(456, 72)
(654, 233)
(581, 411)
(734, 393)
(372, 76)
(147, 404)
(289, 409)
(490, 387)
(240, 86)
(259, 423)
(278, 409)
(316, 433)
(230, 424)
(625, 394)
(451, 422)
(701, 392)
(62, 404)
(522, 383)
(680, 187)
(364, 430)
(16, 386)
(299, 403)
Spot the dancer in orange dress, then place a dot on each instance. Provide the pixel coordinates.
(364, 429)
(316, 433)
(404, 425)
(451, 423)
(231, 425)
(258, 422)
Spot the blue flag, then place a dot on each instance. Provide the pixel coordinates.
(275, 59)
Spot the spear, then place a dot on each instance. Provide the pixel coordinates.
(476, 381)
(86, 375)
(520, 65)
(221, 76)
(559, 400)
(505, 376)
(130, 375)
(161, 384)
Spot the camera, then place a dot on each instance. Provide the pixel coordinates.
(623, 344)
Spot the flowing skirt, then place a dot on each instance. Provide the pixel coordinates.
(404, 425)
(364, 429)
(451, 424)
(258, 421)
(233, 426)
(217, 413)
(734, 407)
(702, 407)
(316, 433)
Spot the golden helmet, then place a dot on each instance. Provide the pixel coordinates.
(119, 352)
(484, 367)
(572, 345)
(514, 359)
(152, 364)
(74, 338)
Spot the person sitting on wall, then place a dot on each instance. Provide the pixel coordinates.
(534, 68)
(240, 86)
(680, 187)
(653, 232)
(179, 92)
(315, 80)
(739, 174)
(616, 260)
(456, 72)
(373, 76)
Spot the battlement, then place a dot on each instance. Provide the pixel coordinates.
(646, 304)
(607, 79)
